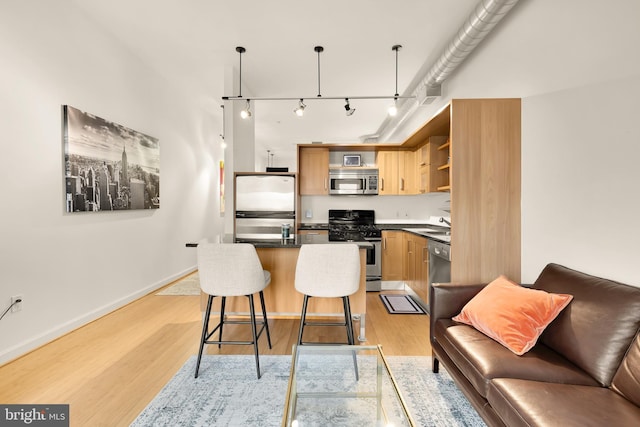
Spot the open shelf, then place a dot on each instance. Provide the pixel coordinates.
(445, 145)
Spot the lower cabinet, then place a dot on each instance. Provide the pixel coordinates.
(416, 265)
(405, 258)
(392, 255)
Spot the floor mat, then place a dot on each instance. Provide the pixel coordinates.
(400, 304)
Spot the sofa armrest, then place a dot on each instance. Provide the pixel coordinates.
(447, 299)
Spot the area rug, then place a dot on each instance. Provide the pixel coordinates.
(227, 393)
(188, 285)
(400, 304)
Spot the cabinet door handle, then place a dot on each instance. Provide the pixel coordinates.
(325, 182)
(384, 243)
(382, 184)
(402, 184)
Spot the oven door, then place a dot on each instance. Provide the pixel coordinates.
(374, 266)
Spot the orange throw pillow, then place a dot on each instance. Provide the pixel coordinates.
(512, 315)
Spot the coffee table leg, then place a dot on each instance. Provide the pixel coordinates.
(362, 337)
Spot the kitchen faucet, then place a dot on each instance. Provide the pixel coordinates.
(445, 221)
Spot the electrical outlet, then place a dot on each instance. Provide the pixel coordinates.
(18, 306)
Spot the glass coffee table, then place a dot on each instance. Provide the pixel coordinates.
(342, 385)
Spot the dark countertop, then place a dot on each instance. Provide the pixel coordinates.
(313, 226)
(296, 241)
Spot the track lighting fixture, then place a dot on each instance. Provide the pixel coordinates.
(299, 110)
(246, 113)
(348, 108)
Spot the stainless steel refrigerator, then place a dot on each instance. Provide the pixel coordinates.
(263, 202)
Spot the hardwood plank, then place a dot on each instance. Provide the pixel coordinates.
(110, 369)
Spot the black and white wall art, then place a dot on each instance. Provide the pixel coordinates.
(108, 166)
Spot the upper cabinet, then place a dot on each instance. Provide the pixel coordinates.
(313, 170)
(398, 173)
(388, 179)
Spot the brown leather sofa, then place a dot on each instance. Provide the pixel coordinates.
(583, 371)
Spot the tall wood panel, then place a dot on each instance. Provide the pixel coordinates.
(485, 189)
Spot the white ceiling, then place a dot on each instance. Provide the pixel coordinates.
(192, 42)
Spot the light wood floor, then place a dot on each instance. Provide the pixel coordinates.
(110, 369)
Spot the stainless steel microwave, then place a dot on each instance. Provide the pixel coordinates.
(353, 181)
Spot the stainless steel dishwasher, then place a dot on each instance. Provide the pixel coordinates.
(439, 262)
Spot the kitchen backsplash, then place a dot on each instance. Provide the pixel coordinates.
(389, 209)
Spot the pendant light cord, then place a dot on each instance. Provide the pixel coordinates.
(397, 47)
(318, 49)
(240, 50)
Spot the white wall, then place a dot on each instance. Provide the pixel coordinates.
(72, 268)
(574, 64)
(389, 209)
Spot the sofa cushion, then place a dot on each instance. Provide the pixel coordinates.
(533, 403)
(627, 379)
(596, 329)
(512, 315)
(481, 359)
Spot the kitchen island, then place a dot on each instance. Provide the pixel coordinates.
(279, 257)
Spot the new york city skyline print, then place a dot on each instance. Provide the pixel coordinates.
(108, 167)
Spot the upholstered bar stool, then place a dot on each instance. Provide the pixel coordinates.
(231, 270)
(328, 271)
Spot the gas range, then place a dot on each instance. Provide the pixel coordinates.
(358, 226)
(353, 225)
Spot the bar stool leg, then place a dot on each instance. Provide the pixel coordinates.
(252, 310)
(303, 318)
(222, 306)
(264, 316)
(205, 329)
(349, 324)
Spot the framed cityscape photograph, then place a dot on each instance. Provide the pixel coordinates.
(108, 167)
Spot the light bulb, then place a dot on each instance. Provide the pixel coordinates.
(393, 110)
(246, 113)
(299, 110)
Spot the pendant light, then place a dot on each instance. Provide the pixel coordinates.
(393, 109)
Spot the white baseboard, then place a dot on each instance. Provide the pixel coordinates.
(392, 285)
(46, 337)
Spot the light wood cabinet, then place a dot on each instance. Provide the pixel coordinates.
(407, 172)
(416, 265)
(397, 172)
(392, 255)
(387, 161)
(313, 171)
(316, 232)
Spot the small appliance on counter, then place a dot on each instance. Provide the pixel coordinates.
(359, 226)
(265, 203)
